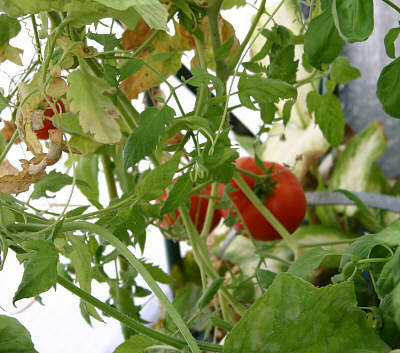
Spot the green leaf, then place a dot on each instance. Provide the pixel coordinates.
(86, 94)
(210, 292)
(153, 184)
(81, 261)
(40, 274)
(201, 76)
(294, 316)
(80, 14)
(87, 170)
(129, 68)
(263, 90)
(304, 267)
(108, 41)
(54, 181)
(391, 234)
(328, 115)
(388, 89)
(322, 42)
(343, 72)
(390, 38)
(3, 100)
(265, 278)
(136, 344)
(137, 224)
(228, 4)
(390, 274)
(178, 194)
(287, 109)
(9, 28)
(362, 249)
(283, 66)
(156, 272)
(224, 50)
(144, 139)
(14, 338)
(354, 19)
(152, 11)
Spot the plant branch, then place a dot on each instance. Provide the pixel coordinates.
(141, 269)
(392, 5)
(128, 321)
(233, 62)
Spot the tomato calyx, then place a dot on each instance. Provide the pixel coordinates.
(265, 186)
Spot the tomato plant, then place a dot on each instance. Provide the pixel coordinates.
(329, 282)
(280, 192)
(43, 133)
(197, 211)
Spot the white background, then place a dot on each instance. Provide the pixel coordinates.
(57, 327)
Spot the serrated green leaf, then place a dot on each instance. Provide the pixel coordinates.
(109, 41)
(265, 278)
(390, 38)
(354, 19)
(135, 344)
(81, 260)
(228, 4)
(129, 68)
(156, 272)
(137, 224)
(343, 72)
(223, 51)
(201, 76)
(87, 170)
(9, 28)
(144, 139)
(152, 11)
(328, 115)
(54, 181)
(178, 194)
(86, 94)
(294, 316)
(78, 13)
(322, 42)
(304, 267)
(14, 338)
(287, 109)
(153, 184)
(3, 100)
(263, 90)
(40, 274)
(388, 89)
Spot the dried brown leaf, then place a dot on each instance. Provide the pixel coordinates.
(15, 184)
(146, 78)
(6, 168)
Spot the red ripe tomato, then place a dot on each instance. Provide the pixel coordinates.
(43, 133)
(197, 212)
(286, 201)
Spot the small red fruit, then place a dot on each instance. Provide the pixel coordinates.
(286, 199)
(197, 212)
(43, 133)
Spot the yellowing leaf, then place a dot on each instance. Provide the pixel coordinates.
(29, 103)
(8, 52)
(146, 78)
(96, 112)
(56, 88)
